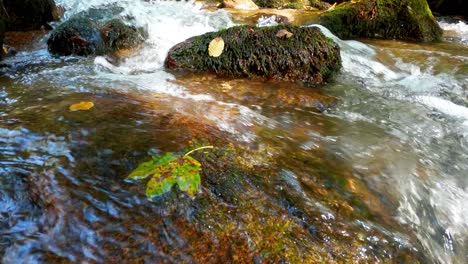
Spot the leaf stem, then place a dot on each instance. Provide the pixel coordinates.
(197, 149)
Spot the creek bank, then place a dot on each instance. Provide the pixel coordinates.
(283, 52)
(386, 19)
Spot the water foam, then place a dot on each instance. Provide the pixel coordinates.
(458, 30)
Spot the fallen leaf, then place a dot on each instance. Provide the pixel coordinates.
(284, 33)
(85, 105)
(216, 47)
(167, 171)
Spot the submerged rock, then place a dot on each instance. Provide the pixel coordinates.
(84, 36)
(387, 19)
(302, 54)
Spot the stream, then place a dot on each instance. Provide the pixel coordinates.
(371, 167)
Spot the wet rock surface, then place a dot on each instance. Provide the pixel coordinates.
(248, 208)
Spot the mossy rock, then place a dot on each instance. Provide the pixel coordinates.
(84, 36)
(294, 4)
(303, 55)
(79, 36)
(117, 35)
(387, 19)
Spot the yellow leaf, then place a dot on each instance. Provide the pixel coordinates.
(81, 106)
(216, 47)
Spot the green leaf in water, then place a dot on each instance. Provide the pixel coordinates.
(146, 169)
(169, 170)
(185, 171)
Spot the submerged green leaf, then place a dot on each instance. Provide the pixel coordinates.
(167, 171)
(185, 171)
(148, 168)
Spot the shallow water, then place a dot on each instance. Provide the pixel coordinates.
(371, 167)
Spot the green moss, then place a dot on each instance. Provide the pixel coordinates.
(388, 19)
(306, 56)
(118, 35)
(294, 4)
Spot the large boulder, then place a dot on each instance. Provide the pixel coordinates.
(387, 19)
(29, 14)
(84, 36)
(282, 52)
(449, 7)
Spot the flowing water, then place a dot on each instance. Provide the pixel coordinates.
(368, 168)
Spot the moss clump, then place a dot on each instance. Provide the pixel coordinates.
(306, 56)
(118, 35)
(388, 19)
(294, 4)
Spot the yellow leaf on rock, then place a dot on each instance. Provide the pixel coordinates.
(216, 47)
(81, 106)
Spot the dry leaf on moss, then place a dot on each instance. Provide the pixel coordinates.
(216, 47)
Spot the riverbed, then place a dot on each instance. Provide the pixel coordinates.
(370, 167)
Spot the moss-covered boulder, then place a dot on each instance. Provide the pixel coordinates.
(387, 19)
(29, 14)
(84, 36)
(282, 52)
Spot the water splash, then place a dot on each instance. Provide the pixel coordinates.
(431, 200)
(456, 31)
